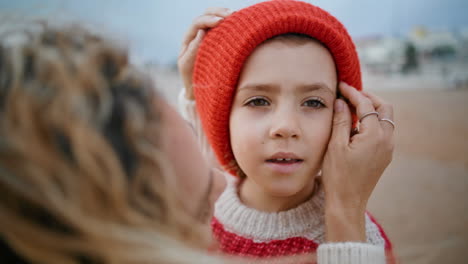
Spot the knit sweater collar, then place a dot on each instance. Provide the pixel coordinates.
(306, 220)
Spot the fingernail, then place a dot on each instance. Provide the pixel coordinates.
(216, 18)
(338, 105)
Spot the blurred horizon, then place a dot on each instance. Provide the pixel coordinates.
(153, 30)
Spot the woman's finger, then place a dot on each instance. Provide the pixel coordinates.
(218, 11)
(385, 110)
(341, 124)
(188, 56)
(187, 60)
(363, 107)
(193, 46)
(380, 104)
(201, 22)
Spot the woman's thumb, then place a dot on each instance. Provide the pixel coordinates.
(341, 123)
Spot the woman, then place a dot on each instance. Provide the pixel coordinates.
(85, 174)
(95, 167)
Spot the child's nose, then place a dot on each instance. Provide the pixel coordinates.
(284, 133)
(285, 126)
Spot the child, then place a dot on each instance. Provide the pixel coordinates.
(265, 80)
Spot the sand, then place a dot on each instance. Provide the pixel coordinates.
(422, 198)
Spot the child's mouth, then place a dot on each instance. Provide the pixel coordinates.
(284, 161)
(284, 165)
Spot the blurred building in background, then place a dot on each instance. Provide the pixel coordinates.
(438, 56)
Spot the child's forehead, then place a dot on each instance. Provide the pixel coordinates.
(306, 65)
(296, 46)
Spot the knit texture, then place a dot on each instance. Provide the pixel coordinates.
(350, 253)
(247, 232)
(226, 47)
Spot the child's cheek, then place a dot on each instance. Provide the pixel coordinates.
(247, 132)
(317, 127)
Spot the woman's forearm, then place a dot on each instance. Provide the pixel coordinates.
(346, 240)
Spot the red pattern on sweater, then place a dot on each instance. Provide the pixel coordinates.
(234, 244)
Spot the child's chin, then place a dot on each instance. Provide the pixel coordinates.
(286, 189)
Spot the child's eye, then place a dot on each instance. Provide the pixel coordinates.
(314, 103)
(257, 102)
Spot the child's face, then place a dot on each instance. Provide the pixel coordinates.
(283, 109)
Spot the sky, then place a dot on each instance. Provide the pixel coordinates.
(153, 29)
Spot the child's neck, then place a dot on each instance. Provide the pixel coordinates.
(254, 196)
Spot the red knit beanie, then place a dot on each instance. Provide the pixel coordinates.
(226, 47)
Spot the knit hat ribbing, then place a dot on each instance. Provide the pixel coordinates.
(226, 47)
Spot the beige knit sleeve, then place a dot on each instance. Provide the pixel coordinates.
(187, 108)
(350, 253)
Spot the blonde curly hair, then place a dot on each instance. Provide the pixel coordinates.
(82, 177)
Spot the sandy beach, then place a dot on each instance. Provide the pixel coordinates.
(422, 199)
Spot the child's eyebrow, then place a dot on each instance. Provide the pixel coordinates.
(259, 87)
(314, 87)
(302, 88)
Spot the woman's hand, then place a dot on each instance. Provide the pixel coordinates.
(192, 40)
(353, 164)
